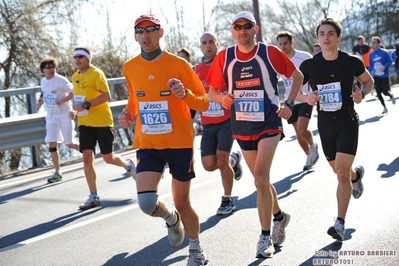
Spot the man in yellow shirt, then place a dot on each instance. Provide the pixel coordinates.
(95, 121)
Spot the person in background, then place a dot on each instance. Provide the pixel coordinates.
(162, 89)
(331, 74)
(301, 112)
(186, 54)
(362, 51)
(316, 48)
(217, 138)
(57, 92)
(380, 61)
(95, 121)
(250, 72)
(395, 58)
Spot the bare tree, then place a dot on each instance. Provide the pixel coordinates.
(30, 30)
(372, 17)
(297, 17)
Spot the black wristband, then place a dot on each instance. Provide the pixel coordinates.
(86, 105)
(289, 103)
(363, 94)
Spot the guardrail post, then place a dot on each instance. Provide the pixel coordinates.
(32, 108)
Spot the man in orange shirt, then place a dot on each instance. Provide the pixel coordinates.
(363, 51)
(162, 89)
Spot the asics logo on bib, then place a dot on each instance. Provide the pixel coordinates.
(248, 94)
(327, 87)
(152, 106)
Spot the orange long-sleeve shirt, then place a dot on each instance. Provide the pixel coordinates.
(162, 120)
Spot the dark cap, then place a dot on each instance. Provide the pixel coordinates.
(147, 17)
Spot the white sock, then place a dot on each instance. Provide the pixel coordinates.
(170, 217)
(194, 244)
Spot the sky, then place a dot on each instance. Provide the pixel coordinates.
(123, 13)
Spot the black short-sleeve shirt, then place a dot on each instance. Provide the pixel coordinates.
(335, 76)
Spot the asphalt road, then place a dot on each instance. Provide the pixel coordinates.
(40, 223)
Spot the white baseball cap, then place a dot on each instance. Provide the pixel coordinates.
(244, 14)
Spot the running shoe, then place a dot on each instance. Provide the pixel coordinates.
(337, 231)
(91, 202)
(278, 232)
(197, 258)
(357, 187)
(131, 168)
(308, 163)
(264, 248)
(314, 153)
(55, 178)
(385, 110)
(312, 157)
(393, 99)
(227, 206)
(176, 232)
(235, 162)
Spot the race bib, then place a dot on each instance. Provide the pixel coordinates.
(331, 97)
(378, 69)
(288, 83)
(214, 110)
(80, 99)
(249, 105)
(50, 100)
(155, 117)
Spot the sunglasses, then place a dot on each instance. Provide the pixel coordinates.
(78, 56)
(247, 26)
(140, 30)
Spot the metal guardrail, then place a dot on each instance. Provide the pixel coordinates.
(30, 130)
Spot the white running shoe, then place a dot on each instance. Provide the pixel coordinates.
(197, 258)
(337, 231)
(176, 232)
(264, 248)
(278, 232)
(235, 162)
(131, 168)
(357, 188)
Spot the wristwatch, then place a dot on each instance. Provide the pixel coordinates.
(289, 103)
(86, 105)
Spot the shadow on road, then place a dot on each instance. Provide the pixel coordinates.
(157, 253)
(40, 229)
(390, 169)
(7, 197)
(294, 138)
